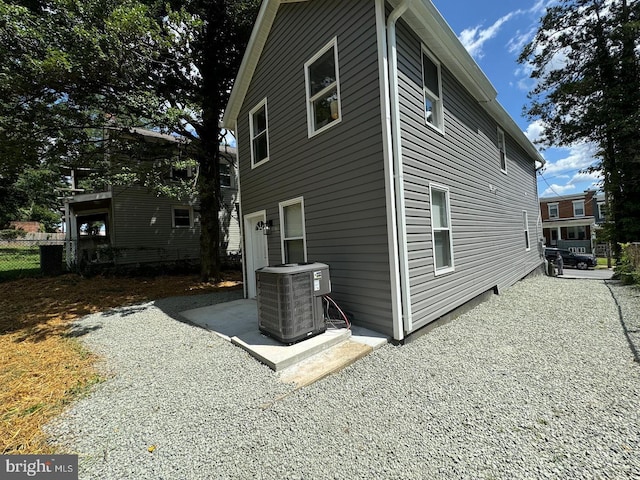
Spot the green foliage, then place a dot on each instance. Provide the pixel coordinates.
(75, 75)
(628, 269)
(18, 262)
(585, 59)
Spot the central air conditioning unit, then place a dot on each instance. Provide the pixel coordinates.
(290, 300)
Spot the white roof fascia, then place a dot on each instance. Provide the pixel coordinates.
(435, 32)
(258, 38)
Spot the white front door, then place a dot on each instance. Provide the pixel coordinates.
(255, 247)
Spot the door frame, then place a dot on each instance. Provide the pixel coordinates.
(249, 233)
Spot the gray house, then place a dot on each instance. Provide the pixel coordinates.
(129, 225)
(369, 140)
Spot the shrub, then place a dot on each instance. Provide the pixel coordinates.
(628, 269)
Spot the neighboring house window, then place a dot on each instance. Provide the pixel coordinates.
(225, 174)
(601, 211)
(525, 224)
(441, 229)
(432, 90)
(577, 233)
(502, 149)
(293, 235)
(182, 217)
(323, 89)
(553, 210)
(184, 172)
(578, 208)
(259, 131)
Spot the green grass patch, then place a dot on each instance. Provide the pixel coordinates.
(19, 262)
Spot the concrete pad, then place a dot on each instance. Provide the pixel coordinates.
(237, 322)
(368, 337)
(279, 356)
(229, 319)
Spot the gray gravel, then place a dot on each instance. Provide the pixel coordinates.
(539, 382)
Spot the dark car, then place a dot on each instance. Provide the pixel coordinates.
(570, 259)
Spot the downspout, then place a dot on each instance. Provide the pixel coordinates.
(390, 195)
(405, 323)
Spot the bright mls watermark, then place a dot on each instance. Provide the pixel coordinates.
(51, 467)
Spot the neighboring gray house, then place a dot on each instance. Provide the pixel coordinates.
(127, 225)
(369, 139)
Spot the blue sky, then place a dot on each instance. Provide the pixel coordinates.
(494, 34)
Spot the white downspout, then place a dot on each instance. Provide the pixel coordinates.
(407, 321)
(390, 195)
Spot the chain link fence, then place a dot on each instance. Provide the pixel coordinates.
(21, 257)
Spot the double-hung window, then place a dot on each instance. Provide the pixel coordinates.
(182, 217)
(293, 235)
(578, 208)
(553, 210)
(323, 89)
(432, 88)
(502, 150)
(225, 174)
(259, 131)
(441, 229)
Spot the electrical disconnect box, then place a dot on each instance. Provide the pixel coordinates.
(290, 300)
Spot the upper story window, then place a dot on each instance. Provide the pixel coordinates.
(441, 229)
(602, 211)
(553, 210)
(294, 248)
(502, 149)
(432, 83)
(259, 130)
(578, 208)
(182, 217)
(225, 174)
(323, 89)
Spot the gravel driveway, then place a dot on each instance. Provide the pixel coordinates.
(539, 382)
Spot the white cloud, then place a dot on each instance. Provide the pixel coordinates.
(534, 130)
(519, 40)
(474, 38)
(580, 156)
(555, 190)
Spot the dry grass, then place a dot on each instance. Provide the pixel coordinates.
(41, 368)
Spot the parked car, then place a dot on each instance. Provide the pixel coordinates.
(576, 260)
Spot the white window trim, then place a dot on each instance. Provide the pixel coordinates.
(549, 205)
(173, 215)
(310, 117)
(281, 207)
(525, 221)
(441, 188)
(576, 202)
(435, 97)
(601, 206)
(502, 139)
(262, 103)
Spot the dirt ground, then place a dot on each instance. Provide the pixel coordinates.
(42, 369)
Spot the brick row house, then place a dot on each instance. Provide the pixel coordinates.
(570, 221)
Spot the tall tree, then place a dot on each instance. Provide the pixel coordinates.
(585, 58)
(69, 68)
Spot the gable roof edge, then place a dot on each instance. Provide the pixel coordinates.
(256, 43)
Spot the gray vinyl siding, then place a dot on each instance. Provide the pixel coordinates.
(143, 231)
(340, 172)
(487, 228)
